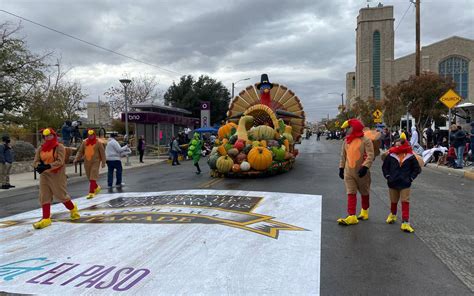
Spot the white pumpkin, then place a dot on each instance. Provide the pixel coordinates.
(214, 151)
(244, 166)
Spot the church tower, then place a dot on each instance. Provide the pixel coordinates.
(374, 51)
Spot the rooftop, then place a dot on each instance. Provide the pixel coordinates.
(155, 107)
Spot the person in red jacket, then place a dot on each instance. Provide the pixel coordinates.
(400, 168)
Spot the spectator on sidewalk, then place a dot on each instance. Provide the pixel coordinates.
(414, 136)
(6, 161)
(472, 138)
(141, 147)
(437, 138)
(92, 151)
(386, 139)
(400, 168)
(175, 150)
(459, 142)
(49, 163)
(66, 132)
(114, 154)
(429, 137)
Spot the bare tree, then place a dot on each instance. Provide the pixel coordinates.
(141, 89)
(54, 100)
(20, 70)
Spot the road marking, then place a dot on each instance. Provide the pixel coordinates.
(208, 184)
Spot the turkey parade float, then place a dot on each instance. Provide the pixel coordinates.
(264, 122)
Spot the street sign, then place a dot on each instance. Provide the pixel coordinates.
(337, 123)
(450, 99)
(205, 114)
(378, 120)
(377, 114)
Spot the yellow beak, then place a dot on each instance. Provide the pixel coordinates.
(345, 124)
(46, 132)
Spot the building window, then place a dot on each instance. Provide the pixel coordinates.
(456, 68)
(353, 82)
(376, 64)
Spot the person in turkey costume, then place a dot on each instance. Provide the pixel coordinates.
(194, 151)
(49, 162)
(357, 156)
(93, 153)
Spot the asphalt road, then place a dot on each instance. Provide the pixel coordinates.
(371, 258)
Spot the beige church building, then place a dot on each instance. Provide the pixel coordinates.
(376, 65)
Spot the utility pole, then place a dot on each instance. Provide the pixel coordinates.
(98, 108)
(418, 53)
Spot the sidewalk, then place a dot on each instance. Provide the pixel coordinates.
(26, 180)
(467, 172)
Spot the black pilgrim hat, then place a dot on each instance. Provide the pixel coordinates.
(264, 80)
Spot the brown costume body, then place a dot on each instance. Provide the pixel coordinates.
(359, 153)
(93, 156)
(53, 182)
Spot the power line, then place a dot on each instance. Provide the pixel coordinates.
(91, 44)
(409, 5)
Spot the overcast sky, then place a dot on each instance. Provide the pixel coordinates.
(307, 45)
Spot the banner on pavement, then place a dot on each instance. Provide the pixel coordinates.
(174, 242)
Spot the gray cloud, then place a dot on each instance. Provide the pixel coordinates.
(306, 45)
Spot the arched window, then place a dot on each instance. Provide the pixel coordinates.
(376, 64)
(353, 82)
(458, 69)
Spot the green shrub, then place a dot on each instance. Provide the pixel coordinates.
(23, 151)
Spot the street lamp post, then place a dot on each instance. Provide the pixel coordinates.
(126, 83)
(341, 94)
(234, 83)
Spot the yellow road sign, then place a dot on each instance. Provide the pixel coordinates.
(378, 120)
(450, 99)
(377, 114)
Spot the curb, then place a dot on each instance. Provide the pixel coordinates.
(467, 174)
(72, 178)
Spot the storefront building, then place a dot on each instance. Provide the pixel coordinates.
(158, 123)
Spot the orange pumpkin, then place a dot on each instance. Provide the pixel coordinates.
(226, 130)
(221, 150)
(236, 168)
(260, 158)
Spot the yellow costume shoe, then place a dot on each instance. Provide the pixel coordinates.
(349, 220)
(42, 223)
(391, 218)
(364, 214)
(97, 190)
(90, 195)
(75, 213)
(406, 227)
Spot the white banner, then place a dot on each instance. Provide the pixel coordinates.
(175, 242)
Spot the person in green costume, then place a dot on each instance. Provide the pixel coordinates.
(194, 151)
